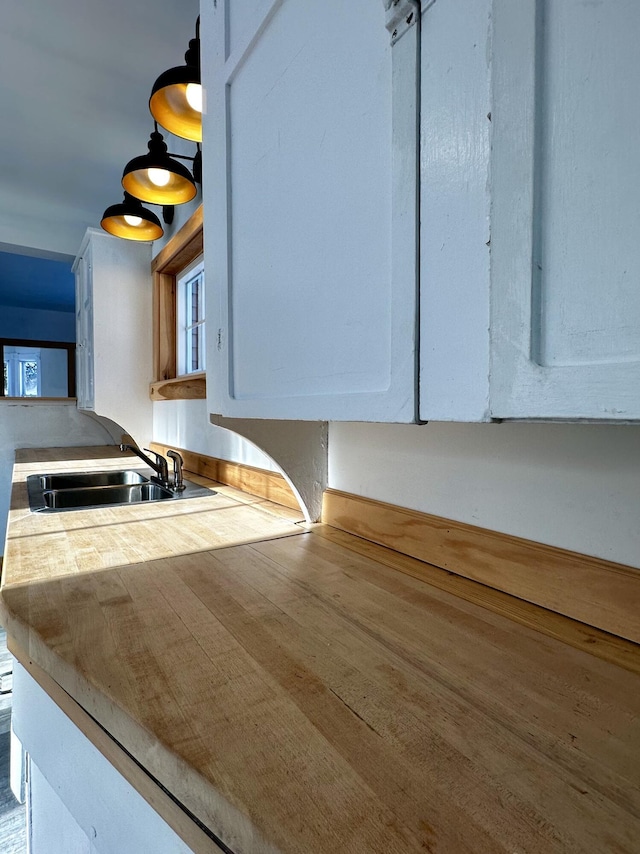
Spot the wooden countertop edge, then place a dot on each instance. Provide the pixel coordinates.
(86, 705)
(185, 825)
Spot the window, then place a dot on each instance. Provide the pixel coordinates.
(190, 310)
(178, 316)
(21, 372)
(37, 368)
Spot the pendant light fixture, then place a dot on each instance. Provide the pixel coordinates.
(157, 178)
(176, 97)
(131, 221)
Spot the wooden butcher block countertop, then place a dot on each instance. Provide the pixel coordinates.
(296, 693)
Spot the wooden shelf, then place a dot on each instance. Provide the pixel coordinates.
(191, 387)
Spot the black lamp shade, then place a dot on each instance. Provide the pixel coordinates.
(131, 221)
(158, 178)
(169, 102)
(176, 97)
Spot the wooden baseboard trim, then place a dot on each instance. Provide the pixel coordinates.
(266, 484)
(597, 592)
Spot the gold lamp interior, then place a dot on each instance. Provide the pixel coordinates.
(172, 109)
(175, 189)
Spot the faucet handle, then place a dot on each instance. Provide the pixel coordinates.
(163, 467)
(178, 462)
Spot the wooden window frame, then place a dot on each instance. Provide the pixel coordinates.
(183, 249)
(48, 345)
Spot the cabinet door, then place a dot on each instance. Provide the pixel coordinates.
(114, 346)
(455, 123)
(84, 331)
(566, 210)
(310, 210)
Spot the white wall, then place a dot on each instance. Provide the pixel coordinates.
(53, 368)
(37, 324)
(185, 424)
(40, 424)
(576, 486)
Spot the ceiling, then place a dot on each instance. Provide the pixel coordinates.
(36, 283)
(76, 78)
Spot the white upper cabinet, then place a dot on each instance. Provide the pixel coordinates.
(520, 207)
(455, 198)
(566, 210)
(310, 216)
(84, 329)
(114, 333)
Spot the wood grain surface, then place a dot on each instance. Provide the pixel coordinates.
(249, 479)
(185, 245)
(161, 801)
(70, 542)
(298, 696)
(594, 591)
(164, 326)
(594, 641)
(191, 387)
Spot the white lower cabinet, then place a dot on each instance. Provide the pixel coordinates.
(422, 210)
(114, 331)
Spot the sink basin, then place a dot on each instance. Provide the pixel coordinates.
(97, 496)
(82, 490)
(79, 480)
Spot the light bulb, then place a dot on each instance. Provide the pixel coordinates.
(194, 96)
(159, 177)
(132, 220)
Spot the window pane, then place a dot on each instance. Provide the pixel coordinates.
(36, 371)
(195, 337)
(29, 377)
(191, 315)
(195, 300)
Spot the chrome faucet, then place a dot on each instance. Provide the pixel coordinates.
(178, 462)
(160, 465)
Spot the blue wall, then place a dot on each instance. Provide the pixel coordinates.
(37, 324)
(37, 298)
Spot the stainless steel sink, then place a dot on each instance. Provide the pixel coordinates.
(97, 496)
(83, 490)
(80, 480)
